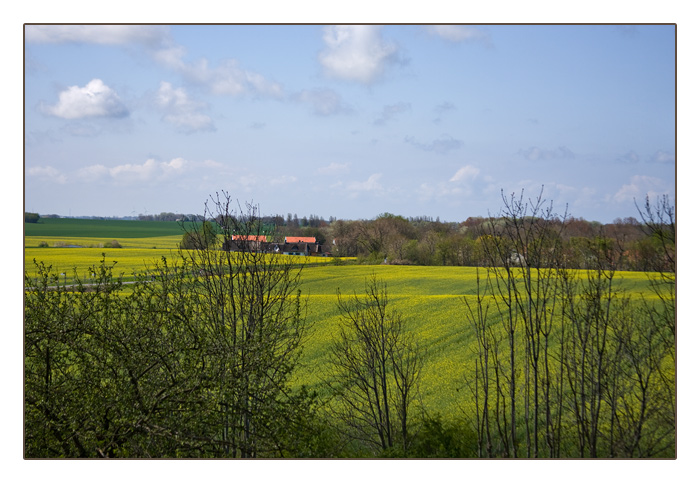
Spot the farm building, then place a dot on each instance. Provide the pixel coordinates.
(302, 246)
(242, 242)
(299, 239)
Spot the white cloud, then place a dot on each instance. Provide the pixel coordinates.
(150, 35)
(181, 111)
(94, 100)
(641, 186)
(247, 182)
(370, 184)
(440, 146)
(356, 52)
(465, 173)
(136, 172)
(460, 185)
(227, 78)
(148, 172)
(537, 154)
(458, 33)
(334, 168)
(47, 172)
(170, 56)
(663, 157)
(212, 164)
(92, 173)
(284, 179)
(260, 85)
(441, 191)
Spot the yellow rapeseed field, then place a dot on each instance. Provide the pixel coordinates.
(430, 299)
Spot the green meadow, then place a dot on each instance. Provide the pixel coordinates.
(74, 227)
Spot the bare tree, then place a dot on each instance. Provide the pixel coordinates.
(253, 317)
(592, 367)
(376, 365)
(522, 249)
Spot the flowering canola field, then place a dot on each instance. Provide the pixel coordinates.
(430, 299)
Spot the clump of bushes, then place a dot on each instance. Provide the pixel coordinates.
(112, 244)
(43, 244)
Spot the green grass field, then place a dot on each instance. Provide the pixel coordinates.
(73, 227)
(431, 299)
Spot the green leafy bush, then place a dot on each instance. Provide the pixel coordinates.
(112, 244)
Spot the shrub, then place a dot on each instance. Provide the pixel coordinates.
(43, 244)
(199, 238)
(436, 438)
(31, 217)
(112, 244)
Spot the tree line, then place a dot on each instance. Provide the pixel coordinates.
(196, 358)
(422, 240)
(394, 239)
(567, 365)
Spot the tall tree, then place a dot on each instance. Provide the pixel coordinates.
(592, 368)
(253, 317)
(193, 360)
(377, 364)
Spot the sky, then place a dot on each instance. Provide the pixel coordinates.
(348, 121)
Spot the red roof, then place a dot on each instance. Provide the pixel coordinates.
(300, 239)
(258, 238)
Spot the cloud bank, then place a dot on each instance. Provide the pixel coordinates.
(148, 35)
(151, 171)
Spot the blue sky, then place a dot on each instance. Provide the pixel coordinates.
(348, 121)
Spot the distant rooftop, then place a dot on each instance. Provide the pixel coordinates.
(254, 238)
(300, 239)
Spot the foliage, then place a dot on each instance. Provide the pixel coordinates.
(199, 236)
(377, 366)
(111, 244)
(567, 365)
(31, 217)
(436, 438)
(251, 309)
(176, 366)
